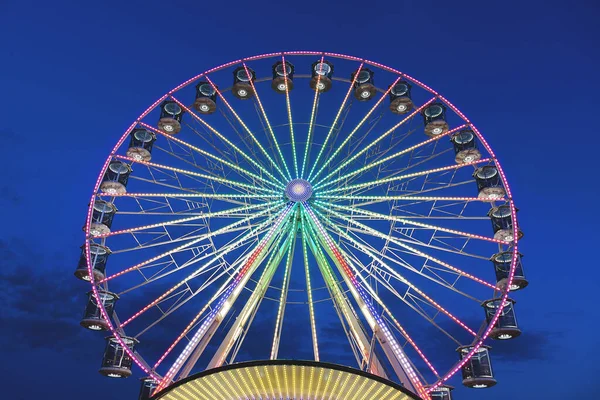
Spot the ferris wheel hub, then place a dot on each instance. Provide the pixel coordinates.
(298, 190)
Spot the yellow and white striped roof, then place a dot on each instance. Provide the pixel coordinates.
(284, 379)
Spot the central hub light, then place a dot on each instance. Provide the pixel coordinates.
(298, 190)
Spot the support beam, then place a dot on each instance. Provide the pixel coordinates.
(284, 290)
(252, 304)
(342, 304)
(400, 362)
(224, 303)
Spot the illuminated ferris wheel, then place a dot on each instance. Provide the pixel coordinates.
(301, 192)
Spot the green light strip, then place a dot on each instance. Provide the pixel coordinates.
(360, 124)
(196, 174)
(223, 138)
(289, 112)
(312, 118)
(286, 281)
(373, 143)
(394, 273)
(337, 116)
(262, 109)
(311, 307)
(400, 177)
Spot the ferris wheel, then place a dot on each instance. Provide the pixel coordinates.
(301, 186)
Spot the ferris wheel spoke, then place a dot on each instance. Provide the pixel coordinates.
(232, 198)
(383, 278)
(378, 258)
(334, 124)
(358, 143)
(402, 366)
(243, 319)
(382, 199)
(284, 292)
(357, 242)
(411, 250)
(199, 230)
(313, 115)
(404, 177)
(212, 168)
(370, 215)
(195, 174)
(445, 186)
(223, 161)
(198, 318)
(264, 114)
(238, 331)
(395, 172)
(254, 139)
(374, 142)
(395, 322)
(289, 113)
(386, 273)
(225, 140)
(164, 238)
(412, 241)
(229, 213)
(309, 291)
(189, 244)
(215, 144)
(351, 324)
(225, 250)
(240, 240)
(217, 196)
(239, 328)
(157, 183)
(383, 160)
(172, 309)
(223, 304)
(351, 134)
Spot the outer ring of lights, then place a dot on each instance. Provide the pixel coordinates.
(510, 202)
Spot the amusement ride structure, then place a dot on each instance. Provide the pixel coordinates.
(301, 225)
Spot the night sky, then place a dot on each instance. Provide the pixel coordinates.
(73, 77)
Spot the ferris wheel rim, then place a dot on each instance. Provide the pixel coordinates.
(478, 342)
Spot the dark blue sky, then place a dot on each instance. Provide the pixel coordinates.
(74, 76)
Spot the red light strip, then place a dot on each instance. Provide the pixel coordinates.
(406, 366)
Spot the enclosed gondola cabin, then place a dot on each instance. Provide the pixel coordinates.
(171, 114)
(502, 263)
(321, 75)
(147, 387)
(506, 326)
(92, 315)
(434, 118)
(98, 257)
(283, 76)
(115, 178)
(502, 223)
(206, 98)
(103, 213)
(489, 184)
(116, 363)
(465, 147)
(140, 144)
(364, 85)
(242, 86)
(442, 392)
(400, 100)
(477, 372)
